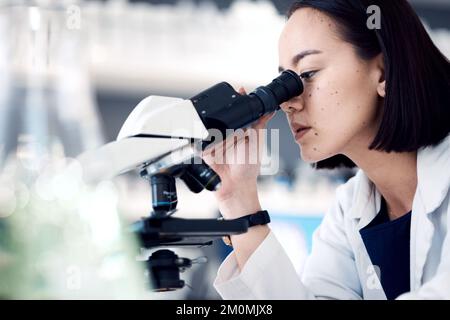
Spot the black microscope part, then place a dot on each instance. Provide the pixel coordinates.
(164, 270)
(221, 107)
(199, 176)
(164, 193)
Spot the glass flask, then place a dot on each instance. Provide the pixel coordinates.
(60, 238)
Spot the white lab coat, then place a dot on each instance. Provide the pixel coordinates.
(339, 266)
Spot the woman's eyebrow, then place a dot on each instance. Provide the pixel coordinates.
(299, 56)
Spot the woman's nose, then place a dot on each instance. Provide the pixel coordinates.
(293, 105)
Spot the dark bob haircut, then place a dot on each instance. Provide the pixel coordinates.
(416, 108)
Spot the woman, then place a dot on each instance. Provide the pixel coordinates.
(377, 99)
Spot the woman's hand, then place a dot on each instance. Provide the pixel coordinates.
(235, 161)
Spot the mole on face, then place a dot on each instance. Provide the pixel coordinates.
(315, 149)
(309, 95)
(321, 109)
(316, 134)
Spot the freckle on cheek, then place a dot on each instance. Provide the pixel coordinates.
(322, 109)
(316, 134)
(309, 95)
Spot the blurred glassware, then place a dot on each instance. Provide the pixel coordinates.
(59, 237)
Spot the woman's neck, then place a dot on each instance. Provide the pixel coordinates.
(394, 175)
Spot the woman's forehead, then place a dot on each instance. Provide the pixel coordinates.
(308, 25)
(307, 29)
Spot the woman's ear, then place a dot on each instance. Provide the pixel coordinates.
(382, 89)
(381, 80)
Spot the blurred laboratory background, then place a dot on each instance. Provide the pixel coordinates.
(100, 58)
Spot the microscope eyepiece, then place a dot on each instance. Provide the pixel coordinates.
(283, 88)
(221, 107)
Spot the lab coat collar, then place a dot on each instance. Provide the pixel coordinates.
(433, 182)
(433, 174)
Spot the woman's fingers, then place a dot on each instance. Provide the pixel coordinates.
(241, 90)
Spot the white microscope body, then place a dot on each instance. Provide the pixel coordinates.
(160, 128)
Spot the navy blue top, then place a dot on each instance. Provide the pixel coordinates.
(387, 243)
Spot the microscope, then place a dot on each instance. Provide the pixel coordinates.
(162, 139)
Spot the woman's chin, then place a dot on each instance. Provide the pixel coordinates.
(311, 156)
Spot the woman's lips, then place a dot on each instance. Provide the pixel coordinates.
(300, 133)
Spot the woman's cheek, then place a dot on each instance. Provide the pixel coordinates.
(321, 143)
(330, 133)
(327, 119)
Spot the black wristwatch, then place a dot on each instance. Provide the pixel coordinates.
(254, 219)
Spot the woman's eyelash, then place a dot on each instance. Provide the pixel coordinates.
(307, 75)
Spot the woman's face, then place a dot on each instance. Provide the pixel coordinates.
(342, 92)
